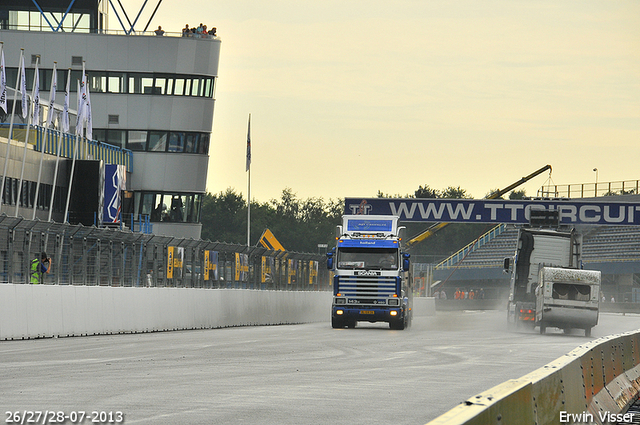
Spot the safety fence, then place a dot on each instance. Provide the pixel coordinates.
(589, 190)
(89, 256)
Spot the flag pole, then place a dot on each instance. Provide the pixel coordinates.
(249, 182)
(43, 138)
(9, 136)
(26, 137)
(79, 129)
(60, 138)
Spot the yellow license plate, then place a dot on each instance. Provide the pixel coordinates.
(366, 312)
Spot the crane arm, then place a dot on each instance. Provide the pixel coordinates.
(436, 227)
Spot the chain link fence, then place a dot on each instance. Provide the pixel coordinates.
(83, 255)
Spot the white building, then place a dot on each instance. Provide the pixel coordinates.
(153, 95)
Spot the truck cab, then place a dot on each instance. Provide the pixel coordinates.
(371, 281)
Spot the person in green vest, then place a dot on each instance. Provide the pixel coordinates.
(39, 267)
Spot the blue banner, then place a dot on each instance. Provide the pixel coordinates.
(114, 179)
(571, 212)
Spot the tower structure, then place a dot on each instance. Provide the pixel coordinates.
(153, 95)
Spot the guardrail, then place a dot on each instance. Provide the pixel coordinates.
(592, 384)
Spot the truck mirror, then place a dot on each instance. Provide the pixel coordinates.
(330, 260)
(507, 265)
(405, 261)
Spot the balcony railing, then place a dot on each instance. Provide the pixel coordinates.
(590, 190)
(86, 149)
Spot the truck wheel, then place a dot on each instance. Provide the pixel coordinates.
(352, 324)
(337, 323)
(397, 325)
(587, 332)
(543, 329)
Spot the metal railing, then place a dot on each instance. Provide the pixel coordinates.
(463, 252)
(590, 190)
(85, 30)
(109, 257)
(86, 149)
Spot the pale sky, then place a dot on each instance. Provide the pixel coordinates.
(350, 97)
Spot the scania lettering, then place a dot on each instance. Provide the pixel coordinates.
(371, 281)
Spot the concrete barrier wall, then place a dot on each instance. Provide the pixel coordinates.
(597, 379)
(36, 311)
(424, 306)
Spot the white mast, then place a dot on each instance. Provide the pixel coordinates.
(249, 182)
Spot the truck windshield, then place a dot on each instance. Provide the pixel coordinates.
(368, 258)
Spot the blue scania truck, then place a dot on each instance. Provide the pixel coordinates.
(371, 273)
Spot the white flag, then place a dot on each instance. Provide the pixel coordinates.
(79, 118)
(52, 95)
(36, 97)
(88, 114)
(3, 82)
(65, 108)
(23, 88)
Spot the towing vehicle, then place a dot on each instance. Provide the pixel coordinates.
(548, 287)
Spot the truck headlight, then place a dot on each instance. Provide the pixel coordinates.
(339, 312)
(394, 301)
(341, 300)
(393, 313)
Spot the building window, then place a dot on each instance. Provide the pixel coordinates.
(137, 140)
(97, 82)
(28, 194)
(176, 142)
(117, 82)
(100, 135)
(116, 138)
(190, 142)
(155, 141)
(125, 82)
(203, 146)
(195, 87)
(169, 207)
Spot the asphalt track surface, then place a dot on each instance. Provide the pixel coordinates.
(296, 374)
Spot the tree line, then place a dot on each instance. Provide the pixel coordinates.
(301, 224)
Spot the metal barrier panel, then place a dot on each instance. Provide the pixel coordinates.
(112, 257)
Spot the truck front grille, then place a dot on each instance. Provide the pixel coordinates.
(367, 287)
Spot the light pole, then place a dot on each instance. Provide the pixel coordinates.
(596, 186)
